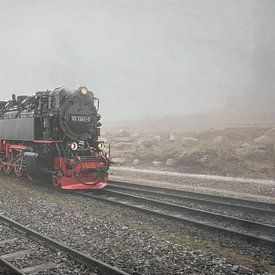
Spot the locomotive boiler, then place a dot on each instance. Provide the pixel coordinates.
(54, 135)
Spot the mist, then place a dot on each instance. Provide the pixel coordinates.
(143, 59)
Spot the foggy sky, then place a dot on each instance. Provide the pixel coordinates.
(141, 58)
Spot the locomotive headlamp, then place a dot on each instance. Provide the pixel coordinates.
(74, 146)
(101, 145)
(83, 90)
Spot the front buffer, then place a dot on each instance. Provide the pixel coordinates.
(81, 172)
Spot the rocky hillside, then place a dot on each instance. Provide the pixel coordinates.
(236, 140)
(238, 151)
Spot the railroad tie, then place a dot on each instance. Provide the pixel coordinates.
(4, 242)
(38, 268)
(16, 254)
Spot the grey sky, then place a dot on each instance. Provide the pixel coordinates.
(142, 58)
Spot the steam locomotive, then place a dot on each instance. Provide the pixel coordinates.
(54, 135)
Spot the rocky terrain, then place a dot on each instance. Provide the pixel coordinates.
(235, 151)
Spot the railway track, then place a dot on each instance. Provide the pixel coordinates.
(196, 197)
(24, 251)
(125, 194)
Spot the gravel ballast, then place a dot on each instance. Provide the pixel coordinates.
(39, 253)
(267, 218)
(133, 241)
(254, 189)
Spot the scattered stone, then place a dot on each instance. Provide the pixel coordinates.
(218, 151)
(217, 140)
(170, 162)
(134, 135)
(248, 151)
(118, 161)
(124, 238)
(268, 138)
(135, 162)
(145, 143)
(123, 133)
(189, 140)
(157, 163)
(121, 145)
(122, 139)
(173, 137)
(204, 159)
(156, 139)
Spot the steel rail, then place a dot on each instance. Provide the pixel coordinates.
(78, 256)
(167, 195)
(237, 203)
(110, 196)
(11, 267)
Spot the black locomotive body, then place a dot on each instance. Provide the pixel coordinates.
(54, 134)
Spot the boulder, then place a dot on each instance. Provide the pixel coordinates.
(189, 140)
(244, 150)
(170, 162)
(249, 151)
(156, 139)
(134, 135)
(118, 161)
(122, 139)
(123, 133)
(146, 143)
(157, 163)
(268, 138)
(196, 157)
(217, 140)
(204, 159)
(121, 145)
(173, 137)
(135, 162)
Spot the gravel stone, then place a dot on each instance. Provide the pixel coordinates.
(39, 254)
(262, 190)
(133, 241)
